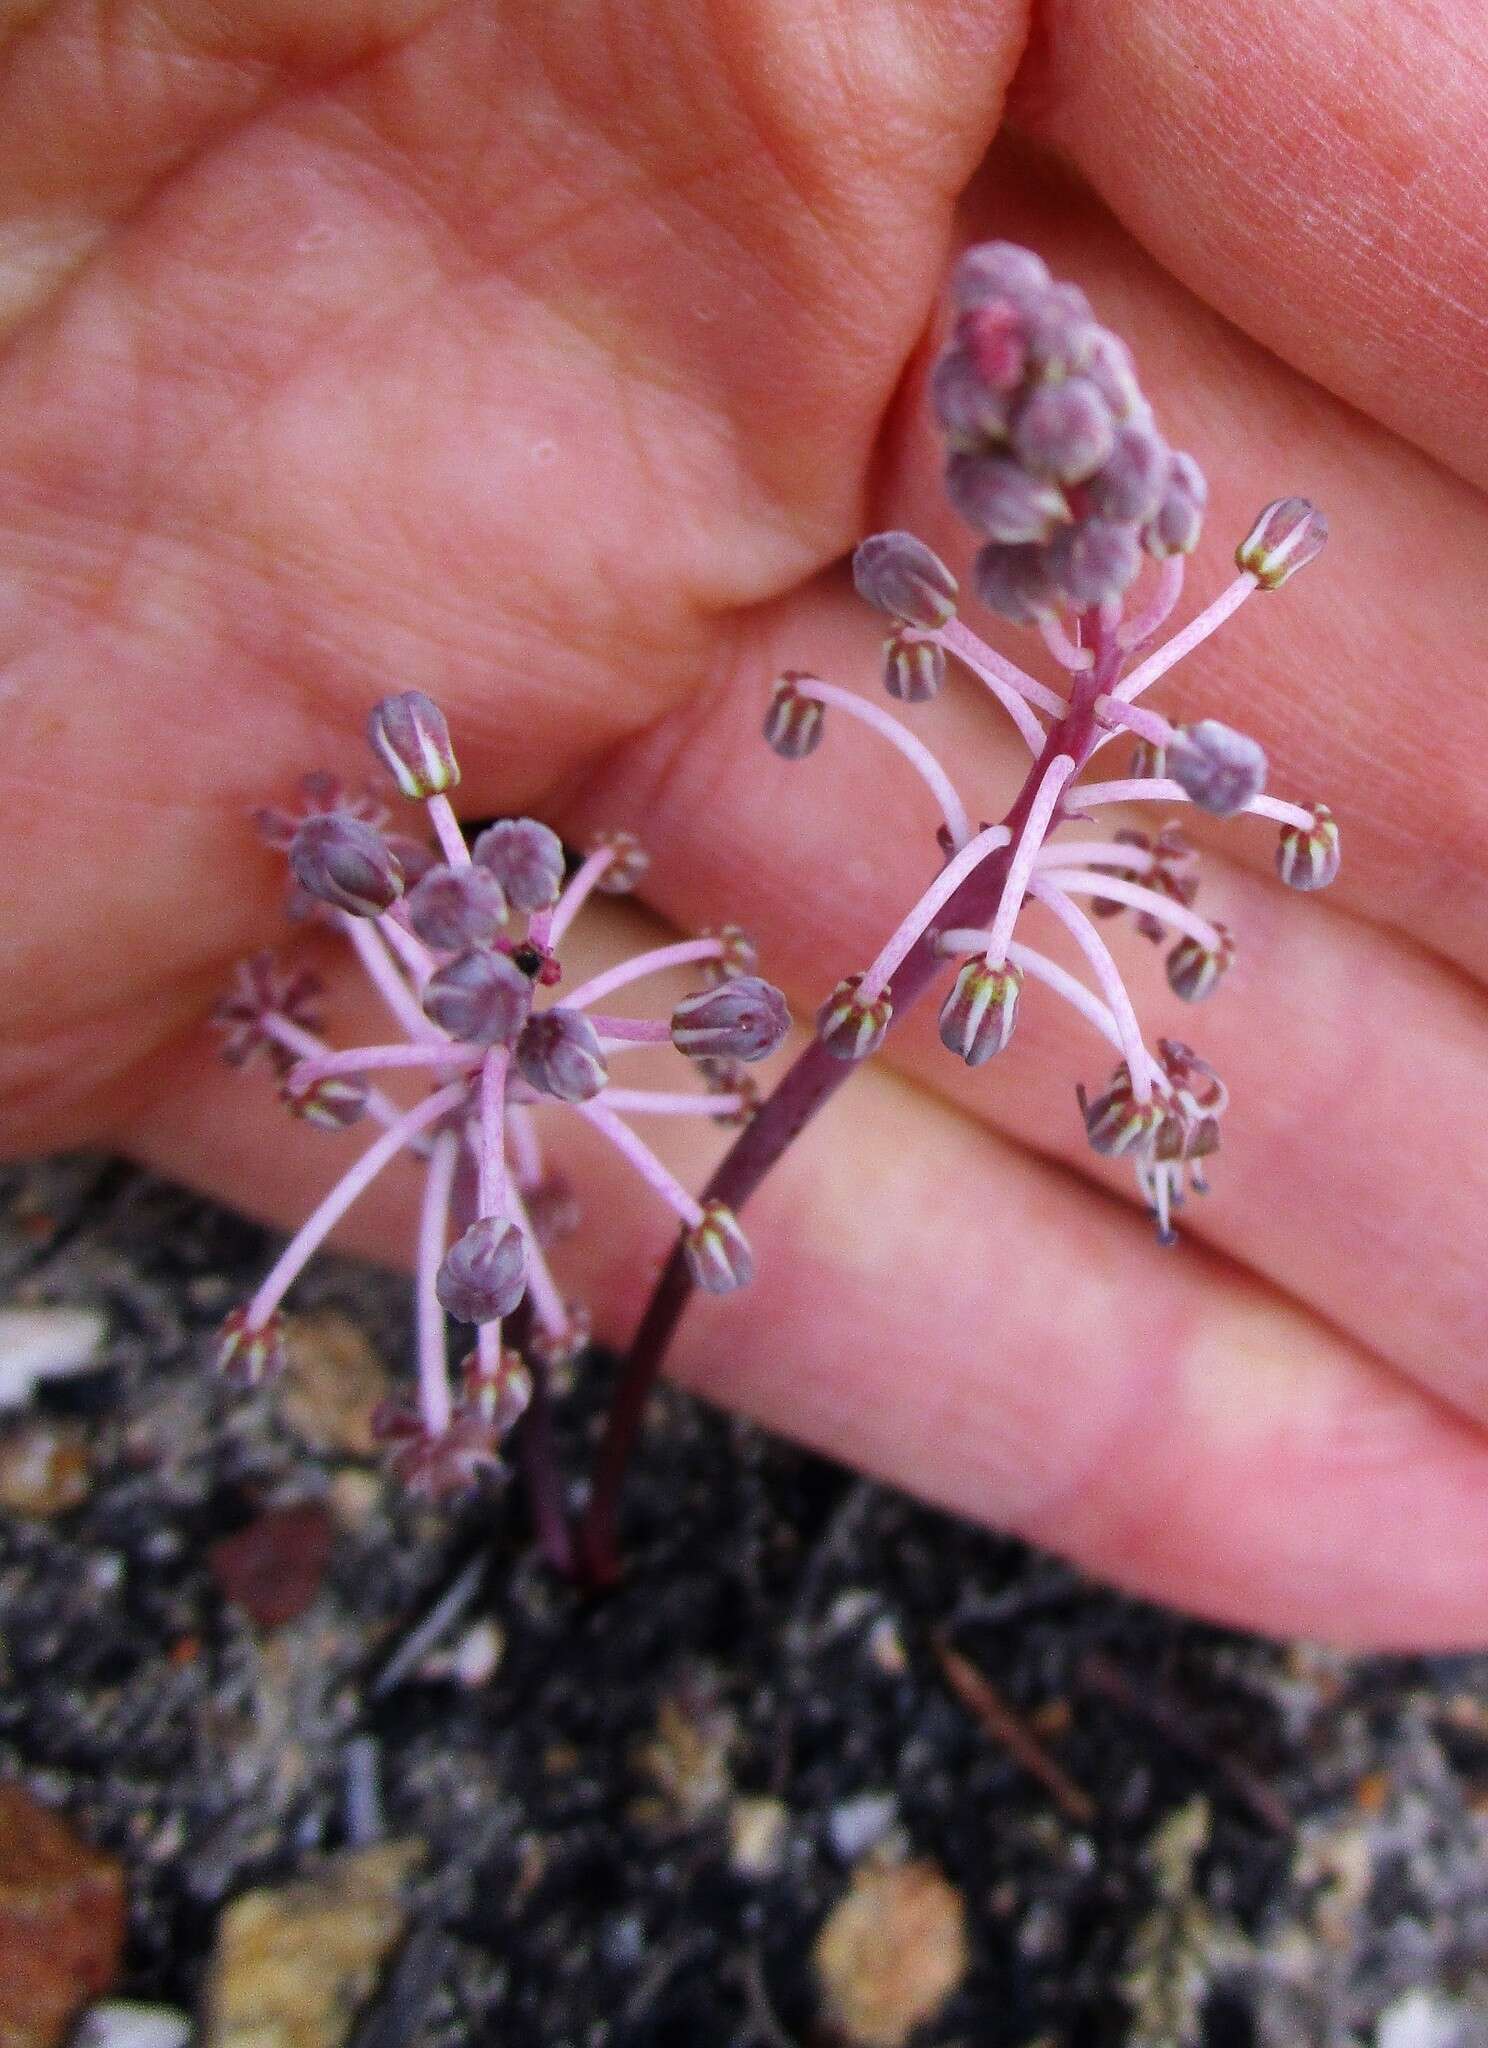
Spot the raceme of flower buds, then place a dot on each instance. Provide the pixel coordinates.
(742, 1019)
(717, 1251)
(558, 1053)
(451, 908)
(410, 734)
(1194, 969)
(793, 723)
(1309, 859)
(977, 1017)
(334, 1102)
(527, 860)
(249, 1355)
(480, 997)
(914, 669)
(849, 1027)
(1220, 769)
(630, 862)
(901, 576)
(1287, 536)
(484, 1273)
(346, 863)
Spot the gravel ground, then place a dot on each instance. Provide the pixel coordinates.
(633, 1816)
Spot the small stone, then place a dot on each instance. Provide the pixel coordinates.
(355, 1497)
(332, 1382)
(892, 1952)
(43, 1469)
(688, 1756)
(122, 2024)
(61, 1922)
(273, 1568)
(854, 1826)
(293, 1965)
(757, 1829)
(45, 1344)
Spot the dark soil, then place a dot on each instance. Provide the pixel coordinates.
(776, 1635)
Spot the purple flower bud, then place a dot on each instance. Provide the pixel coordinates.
(480, 997)
(977, 1017)
(333, 1103)
(966, 405)
(1108, 364)
(1288, 535)
(558, 1052)
(914, 670)
(1220, 769)
(1061, 331)
(1064, 431)
(1016, 582)
(414, 856)
(849, 1027)
(717, 1251)
(346, 863)
(1116, 1123)
(527, 860)
(456, 907)
(626, 869)
(249, 1355)
(484, 1273)
(497, 1399)
(1310, 859)
(1179, 519)
(998, 270)
(1094, 561)
(994, 340)
(1001, 500)
(744, 1019)
(899, 575)
(1130, 485)
(793, 723)
(1194, 969)
(413, 740)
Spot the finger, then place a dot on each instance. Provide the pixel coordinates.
(1310, 170)
(942, 1310)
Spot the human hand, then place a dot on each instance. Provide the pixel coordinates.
(551, 360)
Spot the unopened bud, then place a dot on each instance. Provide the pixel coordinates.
(456, 907)
(527, 860)
(558, 1053)
(250, 1355)
(1016, 582)
(1194, 969)
(1001, 500)
(901, 576)
(1219, 768)
(333, 1102)
(972, 411)
(977, 1017)
(914, 669)
(346, 863)
(743, 1019)
(628, 866)
(1131, 483)
(717, 1251)
(484, 1273)
(410, 734)
(1064, 431)
(1109, 366)
(1116, 1123)
(1094, 561)
(1175, 527)
(850, 1027)
(1309, 859)
(1061, 331)
(794, 722)
(480, 997)
(998, 270)
(1288, 535)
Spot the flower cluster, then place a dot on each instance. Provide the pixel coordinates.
(462, 943)
(1055, 460)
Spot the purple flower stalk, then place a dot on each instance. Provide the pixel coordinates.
(461, 944)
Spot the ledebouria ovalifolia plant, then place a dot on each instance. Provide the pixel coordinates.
(462, 944)
(1055, 461)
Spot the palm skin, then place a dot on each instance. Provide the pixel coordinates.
(551, 359)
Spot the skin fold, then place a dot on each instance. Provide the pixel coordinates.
(552, 358)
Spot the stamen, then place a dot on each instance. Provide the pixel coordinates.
(684, 954)
(1020, 867)
(899, 736)
(1075, 882)
(328, 1213)
(644, 1160)
(941, 890)
(433, 1235)
(1143, 1068)
(1224, 606)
